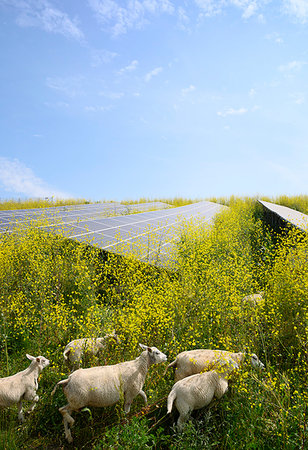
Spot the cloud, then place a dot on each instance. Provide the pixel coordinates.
(232, 112)
(16, 178)
(210, 8)
(130, 68)
(98, 108)
(186, 91)
(56, 105)
(298, 98)
(275, 37)
(295, 177)
(112, 95)
(293, 66)
(297, 9)
(41, 14)
(119, 19)
(100, 57)
(183, 19)
(70, 86)
(153, 73)
(249, 8)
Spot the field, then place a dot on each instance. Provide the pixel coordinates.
(53, 290)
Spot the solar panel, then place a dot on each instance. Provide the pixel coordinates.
(289, 215)
(72, 214)
(149, 236)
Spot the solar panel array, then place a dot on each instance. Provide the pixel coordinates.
(289, 215)
(72, 213)
(150, 236)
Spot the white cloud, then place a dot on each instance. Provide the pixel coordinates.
(252, 92)
(100, 57)
(275, 37)
(210, 8)
(112, 95)
(249, 8)
(183, 18)
(153, 73)
(56, 105)
(119, 19)
(298, 98)
(293, 66)
(70, 86)
(18, 179)
(232, 112)
(186, 91)
(98, 108)
(41, 14)
(297, 9)
(294, 176)
(130, 68)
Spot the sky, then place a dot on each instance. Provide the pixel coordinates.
(123, 99)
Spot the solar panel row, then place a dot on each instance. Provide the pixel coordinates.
(150, 236)
(74, 213)
(289, 215)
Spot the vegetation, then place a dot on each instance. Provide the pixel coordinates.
(53, 290)
(31, 203)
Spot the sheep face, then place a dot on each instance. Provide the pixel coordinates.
(156, 356)
(255, 362)
(41, 360)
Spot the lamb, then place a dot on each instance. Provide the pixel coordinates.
(197, 391)
(76, 350)
(105, 385)
(22, 386)
(195, 361)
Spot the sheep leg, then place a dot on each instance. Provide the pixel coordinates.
(184, 411)
(31, 395)
(144, 396)
(182, 420)
(20, 412)
(67, 421)
(127, 406)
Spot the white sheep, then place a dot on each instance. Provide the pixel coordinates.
(195, 361)
(197, 391)
(253, 299)
(105, 385)
(22, 386)
(76, 350)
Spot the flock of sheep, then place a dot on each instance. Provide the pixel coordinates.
(200, 375)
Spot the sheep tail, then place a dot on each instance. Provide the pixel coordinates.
(62, 382)
(173, 364)
(171, 398)
(66, 353)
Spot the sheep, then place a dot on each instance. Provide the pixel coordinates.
(76, 350)
(253, 299)
(105, 385)
(22, 386)
(197, 391)
(195, 361)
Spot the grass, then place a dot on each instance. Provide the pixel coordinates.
(54, 290)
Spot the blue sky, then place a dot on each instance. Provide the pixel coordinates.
(116, 100)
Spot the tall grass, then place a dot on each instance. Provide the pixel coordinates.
(54, 290)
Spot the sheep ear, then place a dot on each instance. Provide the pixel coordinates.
(30, 357)
(144, 347)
